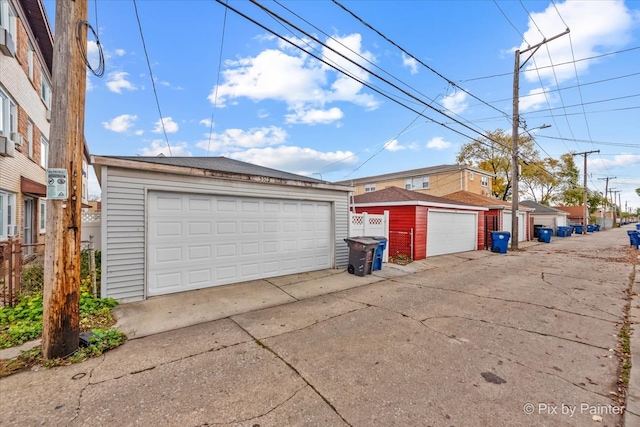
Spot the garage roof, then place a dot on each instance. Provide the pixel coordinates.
(480, 200)
(221, 167)
(543, 209)
(396, 196)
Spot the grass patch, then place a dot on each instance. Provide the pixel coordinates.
(23, 322)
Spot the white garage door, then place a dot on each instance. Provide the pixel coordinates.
(506, 224)
(451, 232)
(198, 241)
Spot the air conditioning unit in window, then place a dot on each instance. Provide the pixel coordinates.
(6, 43)
(7, 147)
(12, 230)
(48, 115)
(16, 137)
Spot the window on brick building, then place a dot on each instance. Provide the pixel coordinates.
(44, 152)
(30, 138)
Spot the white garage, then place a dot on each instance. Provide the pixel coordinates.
(451, 231)
(199, 240)
(173, 224)
(522, 223)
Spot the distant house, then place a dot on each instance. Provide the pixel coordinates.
(421, 225)
(575, 213)
(547, 216)
(433, 180)
(498, 217)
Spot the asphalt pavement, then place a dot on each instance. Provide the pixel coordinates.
(473, 339)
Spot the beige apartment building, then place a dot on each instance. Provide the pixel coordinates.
(434, 180)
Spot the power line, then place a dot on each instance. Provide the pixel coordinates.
(215, 96)
(153, 83)
(449, 81)
(557, 65)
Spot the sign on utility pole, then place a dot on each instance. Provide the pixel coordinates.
(61, 319)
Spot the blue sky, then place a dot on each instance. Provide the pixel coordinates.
(227, 87)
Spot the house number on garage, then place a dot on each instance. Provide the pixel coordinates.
(57, 188)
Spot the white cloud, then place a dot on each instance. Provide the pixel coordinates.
(238, 139)
(620, 160)
(456, 103)
(438, 143)
(298, 80)
(394, 145)
(169, 126)
(596, 26)
(93, 54)
(117, 81)
(119, 52)
(159, 146)
(535, 100)
(206, 122)
(410, 63)
(263, 114)
(302, 161)
(138, 132)
(314, 116)
(120, 124)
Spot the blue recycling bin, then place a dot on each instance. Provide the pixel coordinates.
(590, 228)
(638, 226)
(545, 235)
(563, 231)
(500, 241)
(634, 238)
(577, 229)
(379, 253)
(596, 227)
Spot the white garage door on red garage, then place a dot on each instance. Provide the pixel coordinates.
(450, 232)
(197, 241)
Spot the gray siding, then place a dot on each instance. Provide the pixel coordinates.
(124, 219)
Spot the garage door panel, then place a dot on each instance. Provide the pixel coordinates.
(451, 232)
(200, 241)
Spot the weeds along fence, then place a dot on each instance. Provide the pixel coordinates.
(15, 257)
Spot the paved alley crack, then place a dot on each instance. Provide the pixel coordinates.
(284, 402)
(298, 373)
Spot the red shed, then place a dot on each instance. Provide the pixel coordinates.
(421, 225)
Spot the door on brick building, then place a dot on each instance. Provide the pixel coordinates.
(28, 225)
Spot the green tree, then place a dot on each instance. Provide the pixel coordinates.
(570, 192)
(638, 191)
(543, 180)
(493, 153)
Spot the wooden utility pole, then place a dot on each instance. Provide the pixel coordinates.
(514, 134)
(604, 202)
(585, 209)
(61, 321)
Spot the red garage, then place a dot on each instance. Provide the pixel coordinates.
(421, 225)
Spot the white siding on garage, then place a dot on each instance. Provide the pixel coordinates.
(451, 232)
(506, 224)
(197, 240)
(124, 219)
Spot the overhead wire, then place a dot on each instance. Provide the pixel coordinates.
(215, 96)
(364, 69)
(153, 83)
(557, 65)
(449, 81)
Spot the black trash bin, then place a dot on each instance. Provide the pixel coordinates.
(361, 255)
(536, 230)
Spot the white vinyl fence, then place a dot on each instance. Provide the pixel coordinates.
(91, 228)
(365, 224)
